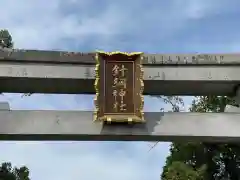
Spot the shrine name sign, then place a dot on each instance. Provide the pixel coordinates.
(119, 87)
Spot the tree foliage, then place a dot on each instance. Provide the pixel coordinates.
(5, 39)
(220, 161)
(181, 171)
(7, 172)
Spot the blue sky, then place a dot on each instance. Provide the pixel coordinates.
(173, 26)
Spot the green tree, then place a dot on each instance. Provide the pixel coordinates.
(7, 172)
(221, 161)
(181, 171)
(5, 39)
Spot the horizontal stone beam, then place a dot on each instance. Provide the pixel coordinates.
(22, 55)
(79, 79)
(77, 125)
(4, 106)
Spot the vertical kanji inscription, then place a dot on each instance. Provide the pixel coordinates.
(119, 87)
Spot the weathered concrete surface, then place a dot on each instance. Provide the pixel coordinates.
(77, 79)
(76, 125)
(88, 58)
(4, 106)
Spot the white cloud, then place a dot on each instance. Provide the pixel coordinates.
(85, 160)
(197, 9)
(41, 25)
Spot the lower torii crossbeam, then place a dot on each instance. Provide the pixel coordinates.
(78, 125)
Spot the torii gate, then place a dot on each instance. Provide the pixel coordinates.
(24, 71)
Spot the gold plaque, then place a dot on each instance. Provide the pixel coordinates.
(119, 87)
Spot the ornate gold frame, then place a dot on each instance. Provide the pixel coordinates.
(96, 86)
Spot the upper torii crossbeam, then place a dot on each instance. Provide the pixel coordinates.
(165, 74)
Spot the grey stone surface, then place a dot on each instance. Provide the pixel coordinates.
(77, 79)
(4, 106)
(88, 58)
(76, 125)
